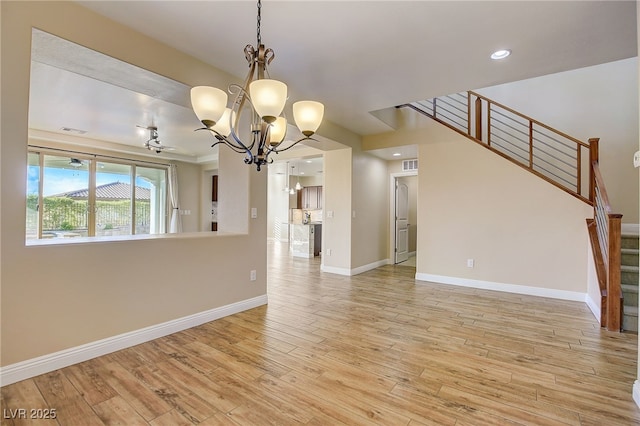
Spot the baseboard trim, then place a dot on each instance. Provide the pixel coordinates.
(507, 288)
(354, 271)
(370, 266)
(34, 367)
(636, 392)
(630, 229)
(593, 307)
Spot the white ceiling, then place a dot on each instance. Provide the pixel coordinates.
(354, 56)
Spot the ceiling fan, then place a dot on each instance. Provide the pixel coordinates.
(153, 143)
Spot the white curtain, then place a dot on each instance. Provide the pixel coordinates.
(175, 224)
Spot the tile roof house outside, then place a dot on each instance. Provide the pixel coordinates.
(113, 191)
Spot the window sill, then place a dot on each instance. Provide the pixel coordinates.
(119, 238)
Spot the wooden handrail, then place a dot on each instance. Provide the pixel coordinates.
(600, 184)
(533, 120)
(477, 116)
(607, 250)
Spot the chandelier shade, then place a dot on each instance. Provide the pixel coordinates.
(308, 116)
(278, 131)
(208, 103)
(265, 99)
(268, 98)
(223, 126)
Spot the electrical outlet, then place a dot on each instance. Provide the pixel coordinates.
(328, 252)
(470, 263)
(253, 275)
(254, 213)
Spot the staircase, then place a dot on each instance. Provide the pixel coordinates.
(565, 162)
(629, 280)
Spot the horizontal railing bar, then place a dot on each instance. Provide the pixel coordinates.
(425, 105)
(525, 134)
(452, 121)
(510, 117)
(554, 157)
(541, 142)
(458, 104)
(462, 112)
(554, 166)
(566, 145)
(569, 184)
(524, 161)
(452, 117)
(578, 141)
(510, 143)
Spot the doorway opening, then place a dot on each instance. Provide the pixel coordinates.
(404, 218)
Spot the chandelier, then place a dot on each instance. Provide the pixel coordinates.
(265, 98)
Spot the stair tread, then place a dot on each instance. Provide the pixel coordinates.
(630, 288)
(631, 310)
(629, 268)
(631, 251)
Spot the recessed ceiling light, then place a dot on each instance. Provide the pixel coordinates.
(500, 54)
(309, 161)
(396, 154)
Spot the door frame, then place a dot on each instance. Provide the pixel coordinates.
(392, 211)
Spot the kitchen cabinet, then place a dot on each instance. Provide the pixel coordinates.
(311, 198)
(306, 240)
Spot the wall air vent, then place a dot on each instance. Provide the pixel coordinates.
(409, 165)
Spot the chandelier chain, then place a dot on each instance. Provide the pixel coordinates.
(259, 18)
(268, 124)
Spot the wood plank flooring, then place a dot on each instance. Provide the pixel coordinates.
(374, 349)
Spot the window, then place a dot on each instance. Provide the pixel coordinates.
(80, 195)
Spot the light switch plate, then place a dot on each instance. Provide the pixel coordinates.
(254, 212)
(636, 159)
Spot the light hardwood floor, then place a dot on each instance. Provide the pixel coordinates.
(374, 349)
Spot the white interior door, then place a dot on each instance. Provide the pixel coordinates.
(402, 222)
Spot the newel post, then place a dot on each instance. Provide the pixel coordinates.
(614, 288)
(478, 119)
(593, 158)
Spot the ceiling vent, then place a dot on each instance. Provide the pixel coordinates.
(72, 130)
(409, 165)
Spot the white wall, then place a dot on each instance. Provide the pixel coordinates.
(598, 101)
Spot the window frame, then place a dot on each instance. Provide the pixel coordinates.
(92, 160)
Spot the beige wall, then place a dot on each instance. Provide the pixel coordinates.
(519, 229)
(337, 202)
(190, 195)
(62, 296)
(598, 101)
(474, 205)
(370, 211)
